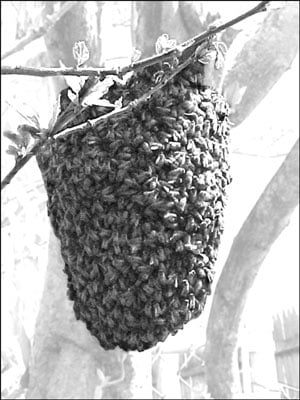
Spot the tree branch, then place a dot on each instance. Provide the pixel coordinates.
(181, 49)
(37, 33)
(93, 123)
(20, 163)
(189, 45)
(261, 60)
(44, 72)
(115, 114)
(268, 218)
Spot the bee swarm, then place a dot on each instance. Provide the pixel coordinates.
(138, 207)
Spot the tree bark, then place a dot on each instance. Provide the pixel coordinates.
(267, 220)
(148, 27)
(181, 20)
(259, 61)
(81, 23)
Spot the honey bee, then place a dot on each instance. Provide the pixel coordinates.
(192, 302)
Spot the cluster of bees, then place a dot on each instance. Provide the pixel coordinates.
(138, 207)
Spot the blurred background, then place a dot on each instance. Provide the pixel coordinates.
(260, 79)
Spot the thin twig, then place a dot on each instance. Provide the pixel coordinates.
(37, 33)
(44, 72)
(20, 163)
(135, 66)
(195, 41)
(241, 153)
(93, 123)
(188, 45)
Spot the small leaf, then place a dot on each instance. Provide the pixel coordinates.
(13, 151)
(164, 44)
(80, 53)
(206, 58)
(30, 129)
(219, 63)
(24, 134)
(13, 137)
(136, 55)
(71, 95)
(35, 133)
(97, 91)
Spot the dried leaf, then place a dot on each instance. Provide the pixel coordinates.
(12, 151)
(99, 90)
(206, 58)
(24, 134)
(136, 55)
(13, 137)
(164, 44)
(71, 95)
(32, 131)
(80, 53)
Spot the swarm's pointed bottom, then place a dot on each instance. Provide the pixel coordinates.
(138, 208)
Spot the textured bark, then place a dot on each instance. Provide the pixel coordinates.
(181, 20)
(262, 60)
(148, 27)
(81, 23)
(267, 220)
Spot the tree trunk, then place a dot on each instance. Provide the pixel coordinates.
(181, 20)
(259, 59)
(256, 65)
(148, 26)
(81, 23)
(249, 249)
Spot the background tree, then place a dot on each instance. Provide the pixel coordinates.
(64, 353)
(249, 249)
